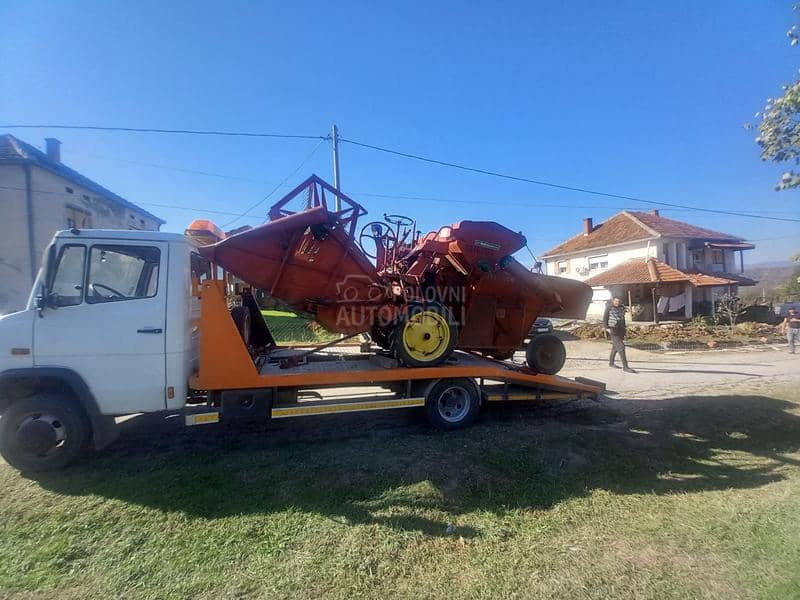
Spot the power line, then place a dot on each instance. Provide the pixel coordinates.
(409, 156)
(200, 209)
(276, 188)
(558, 185)
(780, 237)
(172, 206)
(172, 168)
(536, 205)
(395, 196)
(392, 196)
(176, 131)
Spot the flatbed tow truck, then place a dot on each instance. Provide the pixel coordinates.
(123, 322)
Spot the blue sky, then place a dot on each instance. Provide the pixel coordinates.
(638, 98)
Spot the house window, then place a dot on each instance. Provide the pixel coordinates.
(597, 263)
(563, 266)
(717, 261)
(697, 256)
(78, 218)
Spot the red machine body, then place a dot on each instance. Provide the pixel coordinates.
(311, 260)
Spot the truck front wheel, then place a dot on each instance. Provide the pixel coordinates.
(43, 432)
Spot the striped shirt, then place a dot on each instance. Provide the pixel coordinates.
(614, 318)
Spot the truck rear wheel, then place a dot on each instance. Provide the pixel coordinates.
(452, 403)
(43, 432)
(546, 354)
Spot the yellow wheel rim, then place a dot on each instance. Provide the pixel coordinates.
(426, 336)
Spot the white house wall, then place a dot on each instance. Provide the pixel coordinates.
(15, 265)
(616, 256)
(51, 202)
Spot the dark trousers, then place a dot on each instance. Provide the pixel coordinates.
(617, 347)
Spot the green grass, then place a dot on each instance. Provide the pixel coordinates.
(683, 498)
(289, 328)
(279, 313)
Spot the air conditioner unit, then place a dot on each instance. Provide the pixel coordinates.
(582, 270)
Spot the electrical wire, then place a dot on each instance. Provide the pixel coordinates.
(172, 168)
(276, 188)
(176, 131)
(396, 196)
(408, 155)
(200, 209)
(558, 185)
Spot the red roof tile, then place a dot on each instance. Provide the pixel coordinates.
(638, 270)
(672, 228)
(617, 230)
(631, 226)
(699, 279)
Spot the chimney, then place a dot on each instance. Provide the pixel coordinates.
(53, 149)
(654, 212)
(587, 226)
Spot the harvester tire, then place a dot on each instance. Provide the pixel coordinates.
(425, 335)
(546, 354)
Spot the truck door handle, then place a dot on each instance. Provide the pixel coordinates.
(150, 330)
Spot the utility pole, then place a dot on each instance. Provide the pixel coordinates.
(336, 180)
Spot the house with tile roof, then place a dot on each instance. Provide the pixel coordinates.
(40, 195)
(661, 267)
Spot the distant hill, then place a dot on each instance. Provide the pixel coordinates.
(769, 275)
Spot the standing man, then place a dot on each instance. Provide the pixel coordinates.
(614, 322)
(791, 326)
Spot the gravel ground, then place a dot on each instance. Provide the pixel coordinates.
(667, 375)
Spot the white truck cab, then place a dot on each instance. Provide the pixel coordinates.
(110, 329)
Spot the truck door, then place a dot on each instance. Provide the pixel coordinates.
(106, 319)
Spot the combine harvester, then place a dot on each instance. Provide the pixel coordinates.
(458, 287)
(125, 322)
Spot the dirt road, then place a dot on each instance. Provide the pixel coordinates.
(684, 373)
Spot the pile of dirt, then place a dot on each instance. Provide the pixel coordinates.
(699, 333)
(588, 331)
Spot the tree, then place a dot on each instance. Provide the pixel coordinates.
(791, 289)
(729, 308)
(779, 129)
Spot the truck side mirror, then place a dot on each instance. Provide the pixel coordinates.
(46, 299)
(41, 300)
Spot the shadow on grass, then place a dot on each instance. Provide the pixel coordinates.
(393, 469)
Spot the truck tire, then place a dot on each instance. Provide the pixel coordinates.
(452, 403)
(425, 335)
(546, 354)
(43, 432)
